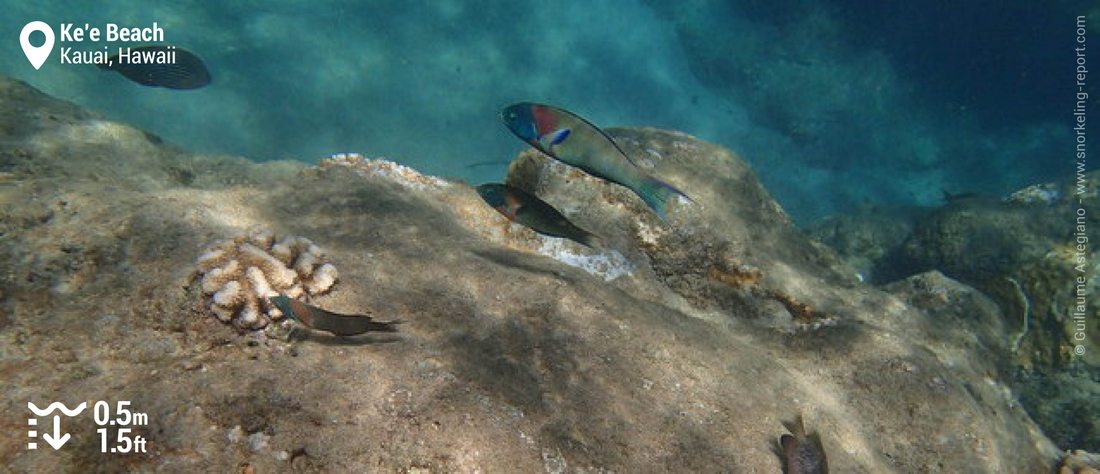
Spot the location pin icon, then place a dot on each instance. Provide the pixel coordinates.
(36, 54)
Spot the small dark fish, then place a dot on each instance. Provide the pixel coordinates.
(950, 197)
(802, 453)
(160, 66)
(526, 209)
(338, 324)
(568, 138)
(489, 163)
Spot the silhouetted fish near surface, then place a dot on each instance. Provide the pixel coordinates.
(575, 141)
(338, 324)
(161, 66)
(489, 163)
(949, 197)
(524, 208)
(802, 453)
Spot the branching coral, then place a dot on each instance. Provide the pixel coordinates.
(238, 275)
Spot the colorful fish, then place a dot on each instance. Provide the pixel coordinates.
(338, 324)
(526, 209)
(575, 141)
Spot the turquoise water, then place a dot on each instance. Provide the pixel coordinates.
(835, 105)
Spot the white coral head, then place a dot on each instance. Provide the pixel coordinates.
(239, 274)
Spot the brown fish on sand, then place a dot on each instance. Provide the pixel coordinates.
(802, 453)
(336, 323)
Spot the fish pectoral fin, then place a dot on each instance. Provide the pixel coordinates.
(559, 135)
(554, 138)
(503, 210)
(590, 240)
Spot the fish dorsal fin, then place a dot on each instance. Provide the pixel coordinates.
(801, 426)
(617, 147)
(512, 205)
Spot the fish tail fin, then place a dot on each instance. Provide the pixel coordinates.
(656, 194)
(590, 240)
(383, 326)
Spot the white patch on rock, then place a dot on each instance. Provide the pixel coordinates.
(684, 146)
(1038, 193)
(648, 235)
(608, 264)
(553, 462)
(398, 173)
(234, 434)
(258, 441)
(651, 161)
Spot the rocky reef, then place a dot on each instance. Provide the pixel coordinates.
(678, 346)
(1033, 253)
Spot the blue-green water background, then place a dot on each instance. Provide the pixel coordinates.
(837, 105)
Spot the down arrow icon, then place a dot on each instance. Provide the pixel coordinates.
(56, 440)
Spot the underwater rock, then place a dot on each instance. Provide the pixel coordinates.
(1065, 404)
(1030, 253)
(1055, 289)
(477, 216)
(980, 241)
(1023, 252)
(718, 252)
(1080, 462)
(965, 319)
(1046, 193)
(511, 357)
(867, 240)
(238, 276)
(381, 167)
